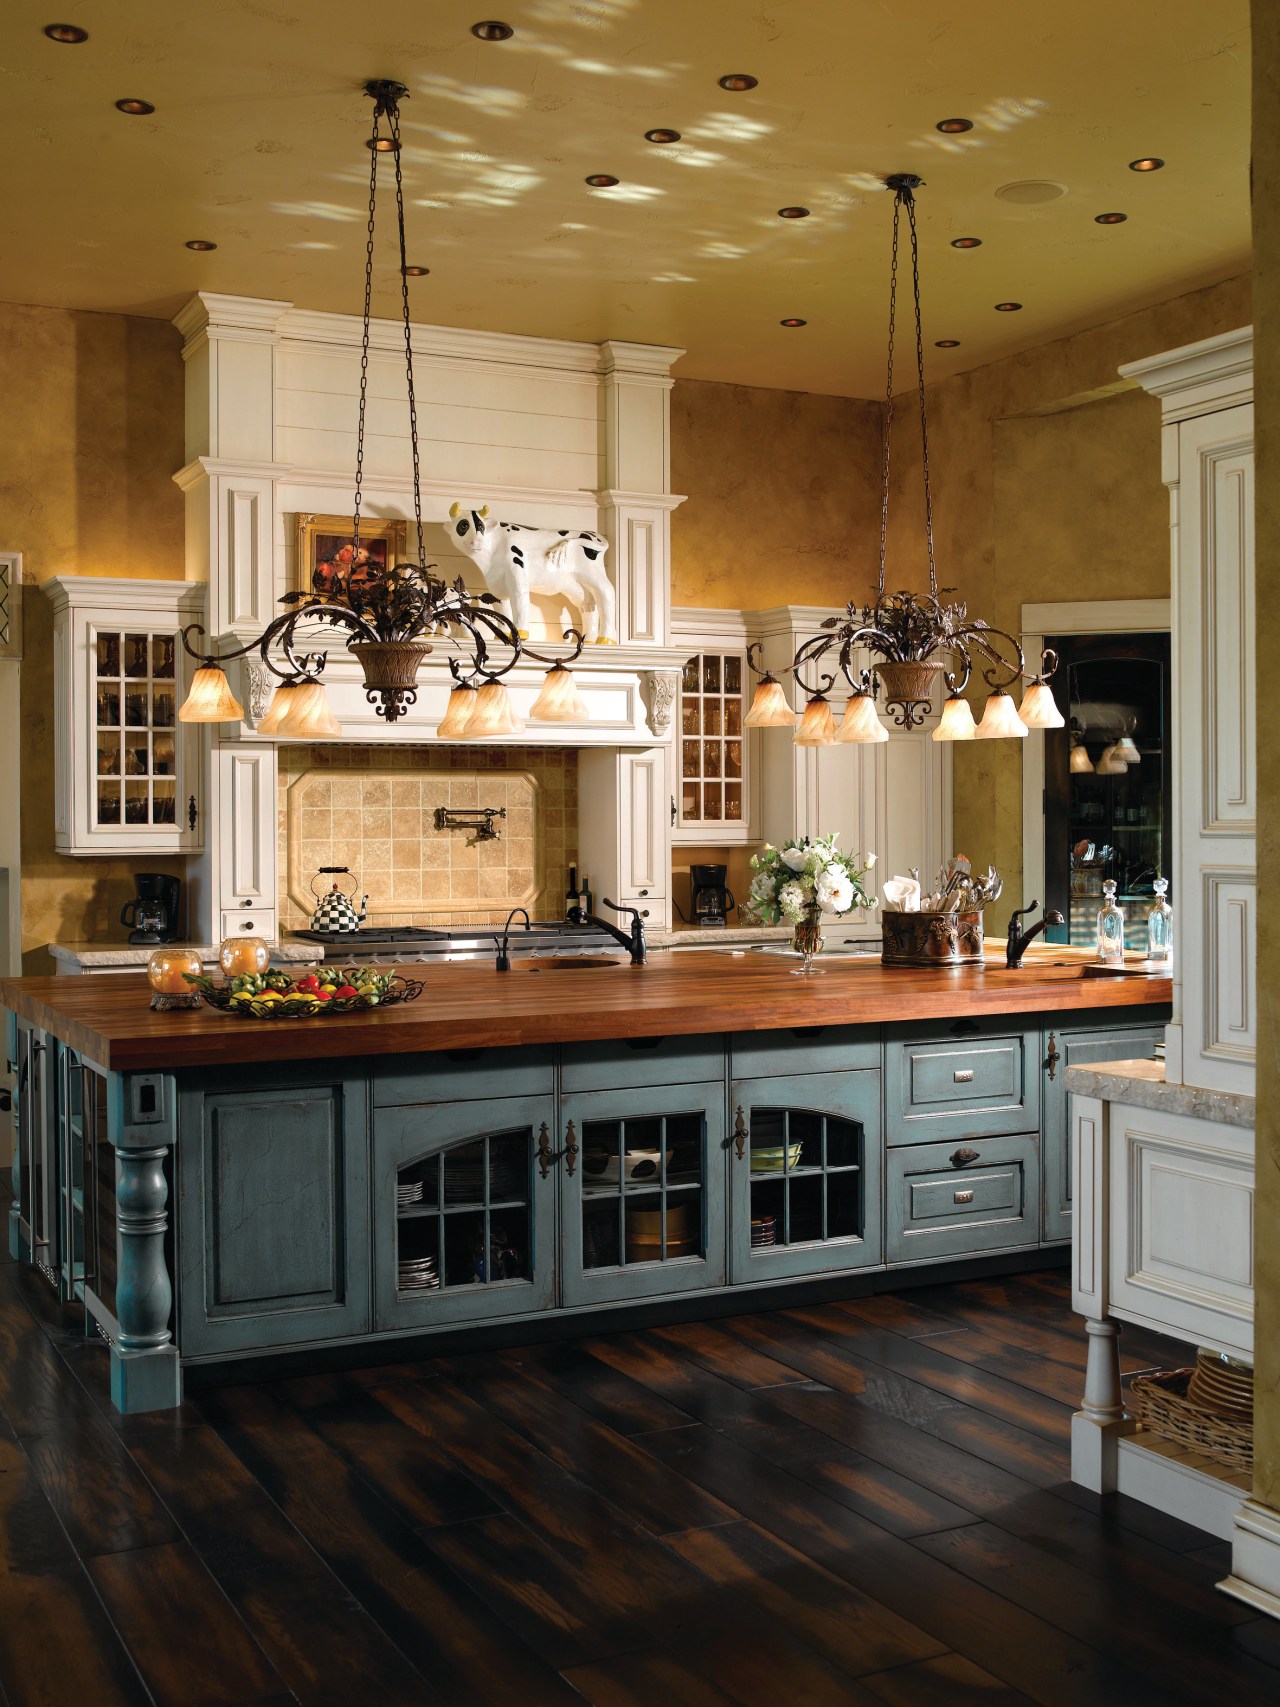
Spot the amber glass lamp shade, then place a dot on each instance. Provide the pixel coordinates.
(493, 713)
(860, 723)
(1000, 718)
(559, 701)
(305, 716)
(818, 725)
(1039, 709)
(457, 714)
(1079, 761)
(167, 971)
(769, 708)
(240, 954)
(956, 722)
(210, 699)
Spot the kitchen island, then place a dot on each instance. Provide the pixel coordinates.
(560, 1140)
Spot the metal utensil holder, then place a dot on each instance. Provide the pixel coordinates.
(930, 939)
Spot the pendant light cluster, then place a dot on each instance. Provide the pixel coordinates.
(911, 637)
(392, 615)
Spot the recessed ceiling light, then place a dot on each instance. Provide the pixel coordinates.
(1028, 191)
(601, 180)
(492, 30)
(1149, 164)
(136, 109)
(1007, 307)
(953, 127)
(66, 33)
(201, 243)
(793, 321)
(966, 242)
(382, 144)
(946, 343)
(793, 213)
(416, 272)
(738, 81)
(662, 136)
(1110, 218)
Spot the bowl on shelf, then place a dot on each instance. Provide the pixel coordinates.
(644, 1233)
(768, 1158)
(603, 1167)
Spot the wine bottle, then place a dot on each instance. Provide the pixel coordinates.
(584, 900)
(572, 905)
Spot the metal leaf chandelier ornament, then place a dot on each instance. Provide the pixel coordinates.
(913, 638)
(391, 614)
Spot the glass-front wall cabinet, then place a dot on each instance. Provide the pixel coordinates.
(135, 720)
(1107, 799)
(711, 801)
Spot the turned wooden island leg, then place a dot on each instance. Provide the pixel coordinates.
(145, 1371)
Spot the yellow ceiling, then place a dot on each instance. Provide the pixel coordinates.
(257, 144)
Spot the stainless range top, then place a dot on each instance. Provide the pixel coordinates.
(474, 942)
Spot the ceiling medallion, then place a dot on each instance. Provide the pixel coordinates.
(954, 127)
(911, 637)
(200, 243)
(134, 107)
(662, 136)
(1149, 164)
(492, 29)
(966, 242)
(738, 81)
(1110, 218)
(1031, 192)
(390, 614)
(70, 34)
(793, 213)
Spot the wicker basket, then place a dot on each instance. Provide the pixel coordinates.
(1159, 1402)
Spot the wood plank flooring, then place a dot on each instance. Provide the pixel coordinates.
(860, 1503)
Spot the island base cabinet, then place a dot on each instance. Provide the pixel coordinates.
(805, 1157)
(273, 1182)
(464, 1211)
(961, 1199)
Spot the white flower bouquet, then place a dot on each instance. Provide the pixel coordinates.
(798, 882)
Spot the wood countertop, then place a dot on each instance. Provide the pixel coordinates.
(470, 1005)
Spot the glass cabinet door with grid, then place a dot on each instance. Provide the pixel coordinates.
(126, 770)
(712, 796)
(464, 1211)
(804, 1175)
(642, 1182)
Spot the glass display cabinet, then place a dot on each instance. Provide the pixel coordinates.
(711, 798)
(1107, 799)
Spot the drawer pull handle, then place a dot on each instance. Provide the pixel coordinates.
(962, 1075)
(964, 1197)
(1053, 1057)
(739, 1134)
(570, 1148)
(545, 1153)
(963, 1156)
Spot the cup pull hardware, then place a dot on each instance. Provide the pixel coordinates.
(545, 1153)
(963, 1197)
(963, 1075)
(740, 1135)
(1053, 1057)
(963, 1156)
(570, 1148)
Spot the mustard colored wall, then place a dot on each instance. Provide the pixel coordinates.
(783, 502)
(1046, 480)
(1266, 348)
(90, 435)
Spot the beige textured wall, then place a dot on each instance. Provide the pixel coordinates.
(1046, 486)
(90, 434)
(1266, 238)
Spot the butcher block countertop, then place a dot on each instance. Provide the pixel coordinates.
(466, 1005)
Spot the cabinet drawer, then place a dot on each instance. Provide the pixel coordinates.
(968, 1084)
(615, 1065)
(945, 1200)
(251, 921)
(464, 1075)
(804, 1049)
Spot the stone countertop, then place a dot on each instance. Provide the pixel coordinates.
(96, 956)
(1142, 1084)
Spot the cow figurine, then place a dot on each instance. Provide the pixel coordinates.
(516, 561)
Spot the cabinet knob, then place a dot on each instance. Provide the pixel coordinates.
(963, 1156)
(740, 1134)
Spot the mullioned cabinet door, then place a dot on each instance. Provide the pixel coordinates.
(273, 1210)
(1065, 1048)
(805, 1160)
(464, 1205)
(642, 1191)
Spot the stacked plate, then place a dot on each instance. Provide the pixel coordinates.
(418, 1274)
(463, 1179)
(1223, 1385)
(764, 1231)
(409, 1192)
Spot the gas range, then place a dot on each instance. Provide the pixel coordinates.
(407, 943)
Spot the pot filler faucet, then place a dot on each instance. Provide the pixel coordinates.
(1019, 941)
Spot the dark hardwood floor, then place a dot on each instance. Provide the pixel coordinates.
(864, 1502)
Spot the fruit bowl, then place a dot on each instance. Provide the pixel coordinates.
(276, 994)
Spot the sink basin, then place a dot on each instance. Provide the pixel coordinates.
(586, 961)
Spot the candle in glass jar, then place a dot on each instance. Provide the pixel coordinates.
(167, 971)
(240, 954)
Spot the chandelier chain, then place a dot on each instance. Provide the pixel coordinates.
(394, 122)
(924, 428)
(888, 398)
(368, 305)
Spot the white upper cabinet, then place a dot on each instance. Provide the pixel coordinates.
(128, 777)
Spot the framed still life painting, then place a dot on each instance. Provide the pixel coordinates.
(326, 549)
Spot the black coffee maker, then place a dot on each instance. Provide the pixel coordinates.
(711, 897)
(153, 912)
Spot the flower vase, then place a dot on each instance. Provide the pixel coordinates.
(807, 941)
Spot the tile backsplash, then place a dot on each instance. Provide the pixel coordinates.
(373, 809)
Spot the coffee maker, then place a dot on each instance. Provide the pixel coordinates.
(153, 912)
(711, 897)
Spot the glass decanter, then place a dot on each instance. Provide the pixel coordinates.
(1110, 927)
(1160, 923)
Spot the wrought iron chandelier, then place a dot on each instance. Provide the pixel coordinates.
(913, 637)
(391, 614)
